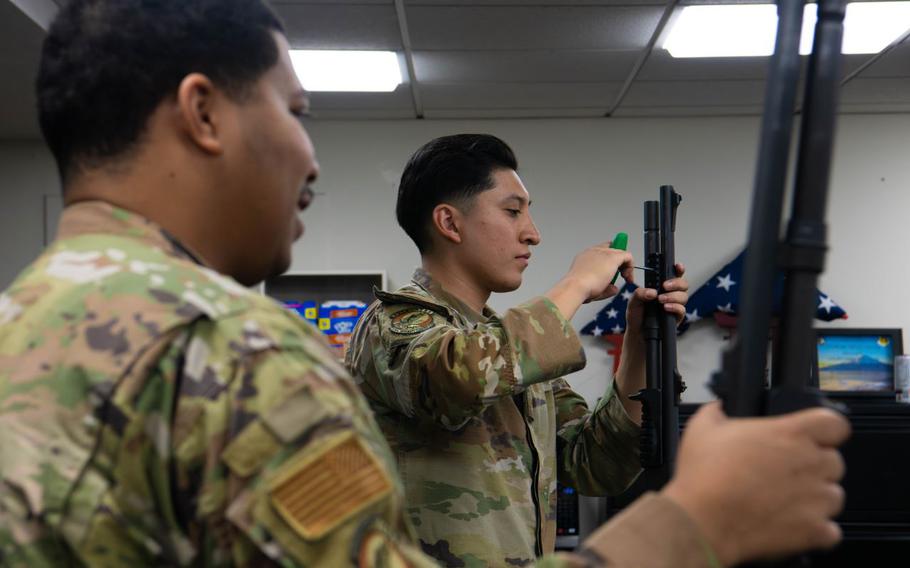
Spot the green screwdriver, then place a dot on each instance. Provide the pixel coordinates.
(620, 241)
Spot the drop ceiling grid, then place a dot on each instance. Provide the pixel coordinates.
(477, 58)
(510, 58)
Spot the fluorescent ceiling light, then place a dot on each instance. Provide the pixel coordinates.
(870, 27)
(748, 30)
(361, 71)
(723, 31)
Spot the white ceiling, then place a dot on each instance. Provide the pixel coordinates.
(504, 58)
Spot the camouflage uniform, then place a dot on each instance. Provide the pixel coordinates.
(475, 412)
(153, 412)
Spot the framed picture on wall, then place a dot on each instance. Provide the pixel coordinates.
(856, 362)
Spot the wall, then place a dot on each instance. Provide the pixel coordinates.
(588, 179)
(27, 175)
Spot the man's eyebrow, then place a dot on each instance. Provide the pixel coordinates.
(520, 199)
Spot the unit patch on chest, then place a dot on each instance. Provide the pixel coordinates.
(410, 321)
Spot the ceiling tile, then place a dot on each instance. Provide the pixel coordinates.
(503, 59)
(277, 3)
(895, 63)
(670, 111)
(363, 114)
(537, 27)
(694, 93)
(340, 26)
(854, 62)
(518, 95)
(554, 112)
(523, 66)
(555, 3)
(707, 2)
(661, 66)
(397, 100)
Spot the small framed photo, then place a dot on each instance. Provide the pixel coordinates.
(856, 362)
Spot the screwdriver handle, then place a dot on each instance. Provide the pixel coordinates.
(621, 242)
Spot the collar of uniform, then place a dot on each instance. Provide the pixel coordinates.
(425, 280)
(93, 217)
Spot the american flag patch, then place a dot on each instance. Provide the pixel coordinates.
(320, 492)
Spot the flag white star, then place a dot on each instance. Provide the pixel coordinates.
(725, 282)
(627, 295)
(612, 313)
(826, 304)
(726, 309)
(597, 331)
(617, 329)
(693, 316)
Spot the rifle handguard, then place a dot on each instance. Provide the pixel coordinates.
(649, 441)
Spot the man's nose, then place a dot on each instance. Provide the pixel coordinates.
(531, 234)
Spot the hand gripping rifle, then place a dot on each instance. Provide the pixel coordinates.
(660, 398)
(740, 382)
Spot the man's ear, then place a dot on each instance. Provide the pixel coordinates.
(199, 105)
(447, 220)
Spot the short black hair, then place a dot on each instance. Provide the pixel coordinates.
(451, 169)
(106, 65)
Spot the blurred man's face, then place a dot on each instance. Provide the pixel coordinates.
(271, 164)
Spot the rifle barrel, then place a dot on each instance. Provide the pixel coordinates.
(741, 379)
(805, 248)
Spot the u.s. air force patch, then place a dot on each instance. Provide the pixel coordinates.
(410, 321)
(321, 491)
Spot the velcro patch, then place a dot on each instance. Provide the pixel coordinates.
(254, 446)
(410, 321)
(321, 491)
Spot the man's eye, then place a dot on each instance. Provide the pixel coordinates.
(514, 212)
(300, 114)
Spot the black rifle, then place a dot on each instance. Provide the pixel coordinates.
(740, 382)
(660, 398)
(801, 256)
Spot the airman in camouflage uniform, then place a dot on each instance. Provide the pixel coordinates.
(451, 387)
(472, 402)
(153, 411)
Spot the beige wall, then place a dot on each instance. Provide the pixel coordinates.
(588, 179)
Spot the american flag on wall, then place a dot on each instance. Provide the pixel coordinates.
(717, 298)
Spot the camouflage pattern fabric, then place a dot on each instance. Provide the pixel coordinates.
(475, 412)
(153, 412)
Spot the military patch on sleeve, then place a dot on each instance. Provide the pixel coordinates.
(410, 321)
(320, 492)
